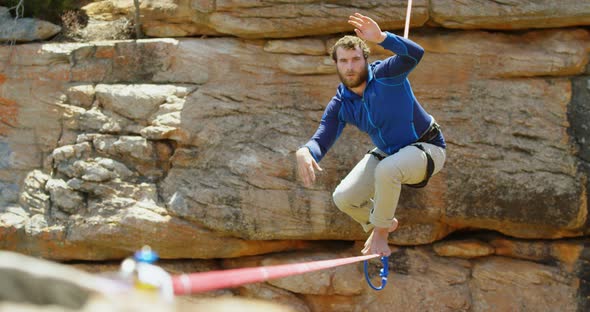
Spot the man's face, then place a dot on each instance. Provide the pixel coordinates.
(352, 67)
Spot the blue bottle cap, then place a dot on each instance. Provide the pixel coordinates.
(146, 255)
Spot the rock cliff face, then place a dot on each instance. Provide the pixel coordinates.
(187, 144)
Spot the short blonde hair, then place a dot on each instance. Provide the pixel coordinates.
(350, 43)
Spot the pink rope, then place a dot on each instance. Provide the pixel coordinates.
(200, 282)
(408, 14)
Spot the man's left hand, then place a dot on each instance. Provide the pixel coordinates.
(366, 28)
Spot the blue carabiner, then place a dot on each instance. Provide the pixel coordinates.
(383, 273)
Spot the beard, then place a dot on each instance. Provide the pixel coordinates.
(354, 81)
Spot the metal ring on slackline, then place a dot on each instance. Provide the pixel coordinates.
(383, 273)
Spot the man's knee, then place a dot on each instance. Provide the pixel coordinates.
(346, 200)
(341, 199)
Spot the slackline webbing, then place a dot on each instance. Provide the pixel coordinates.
(186, 284)
(408, 14)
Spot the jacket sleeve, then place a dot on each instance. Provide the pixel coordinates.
(328, 131)
(407, 55)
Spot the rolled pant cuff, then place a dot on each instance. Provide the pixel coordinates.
(381, 223)
(367, 227)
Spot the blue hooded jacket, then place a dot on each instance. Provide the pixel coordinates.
(388, 111)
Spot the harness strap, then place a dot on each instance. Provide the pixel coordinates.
(379, 157)
(429, 167)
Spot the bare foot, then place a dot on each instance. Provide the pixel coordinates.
(394, 225)
(377, 243)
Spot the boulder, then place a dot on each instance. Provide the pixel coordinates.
(24, 29)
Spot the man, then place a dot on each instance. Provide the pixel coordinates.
(376, 98)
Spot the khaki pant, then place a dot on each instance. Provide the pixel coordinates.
(377, 184)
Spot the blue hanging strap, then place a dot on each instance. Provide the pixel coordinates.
(383, 273)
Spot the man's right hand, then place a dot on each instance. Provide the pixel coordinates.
(306, 165)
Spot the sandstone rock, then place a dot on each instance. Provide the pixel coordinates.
(8, 193)
(81, 95)
(18, 156)
(64, 157)
(96, 120)
(417, 233)
(64, 197)
(121, 171)
(194, 140)
(275, 19)
(306, 65)
(502, 284)
(178, 19)
(37, 225)
(191, 64)
(111, 204)
(521, 137)
(67, 152)
(184, 157)
(35, 127)
(274, 294)
(510, 14)
(119, 28)
(344, 280)
(296, 46)
(134, 102)
(70, 288)
(475, 54)
(234, 137)
(34, 198)
(103, 9)
(579, 114)
(171, 237)
(200, 193)
(24, 29)
(95, 62)
(97, 170)
(46, 237)
(109, 121)
(14, 217)
(463, 249)
(72, 118)
(91, 171)
(36, 54)
(116, 188)
(234, 304)
(172, 119)
(127, 147)
(141, 62)
(566, 253)
(210, 135)
(420, 281)
(164, 133)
